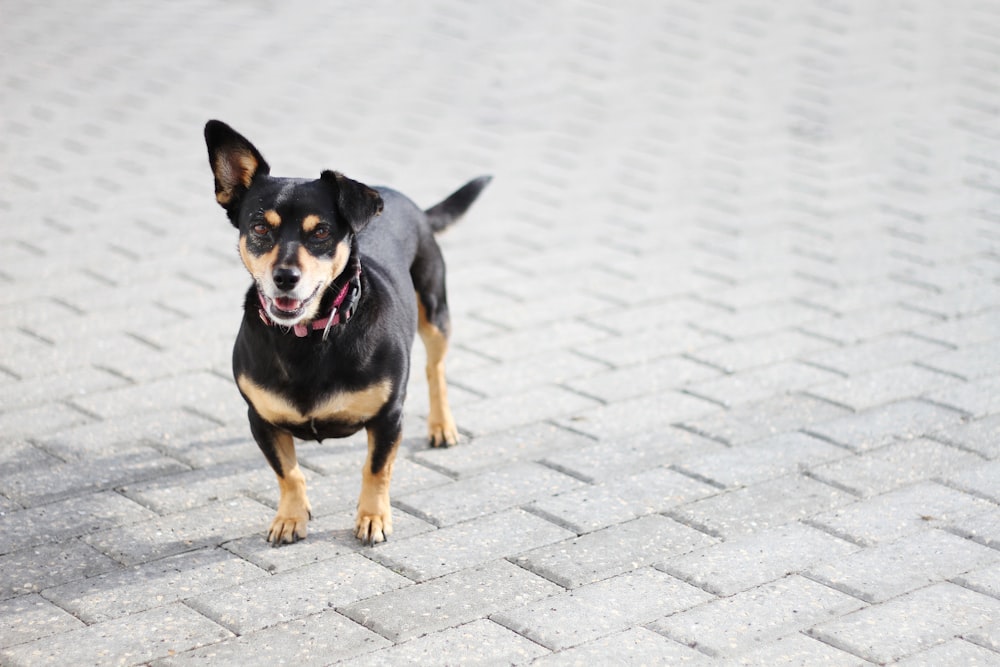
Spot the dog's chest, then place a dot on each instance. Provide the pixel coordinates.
(344, 407)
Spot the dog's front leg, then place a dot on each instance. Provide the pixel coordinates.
(374, 521)
(289, 524)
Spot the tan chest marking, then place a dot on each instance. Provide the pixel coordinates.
(349, 407)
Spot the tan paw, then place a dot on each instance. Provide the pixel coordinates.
(442, 433)
(372, 528)
(289, 526)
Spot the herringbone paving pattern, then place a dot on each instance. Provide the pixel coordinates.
(727, 333)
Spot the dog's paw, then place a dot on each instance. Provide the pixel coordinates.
(372, 528)
(288, 526)
(442, 433)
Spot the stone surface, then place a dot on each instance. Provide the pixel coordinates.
(724, 330)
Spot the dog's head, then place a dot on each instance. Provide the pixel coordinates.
(295, 234)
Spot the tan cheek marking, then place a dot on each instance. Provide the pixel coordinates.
(272, 218)
(353, 407)
(309, 223)
(340, 257)
(269, 405)
(257, 265)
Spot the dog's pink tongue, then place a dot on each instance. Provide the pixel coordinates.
(286, 303)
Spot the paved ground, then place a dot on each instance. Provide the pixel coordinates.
(727, 333)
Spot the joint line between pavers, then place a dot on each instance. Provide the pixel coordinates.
(583, 394)
(805, 472)
(847, 537)
(704, 434)
(566, 471)
(927, 367)
(551, 518)
(696, 476)
(690, 523)
(701, 397)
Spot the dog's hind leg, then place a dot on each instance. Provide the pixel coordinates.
(294, 511)
(433, 327)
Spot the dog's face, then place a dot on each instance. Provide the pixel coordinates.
(295, 234)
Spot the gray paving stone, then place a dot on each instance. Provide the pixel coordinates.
(611, 459)
(753, 421)
(892, 515)
(29, 617)
(985, 580)
(312, 640)
(760, 350)
(71, 384)
(486, 493)
(978, 398)
(960, 303)
(67, 519)
(643, 346)
(890, 467)
(637, 416)
(612, 551)
(262, 602)
(526, 443)
(970, 362)
(518, 344)
(885, 571)
(884, 352)
(862, 392)
(982, 480)
(964, 331)
(983, 527)
(601, 609)
(481, 642)
(798, 650)
(19, 456)
(155, 584)
(466, 545)
(158, 537)
(761, 383)
(188, 489)
(637, 646)
(981, 435)
(728, 626)
(920, 620)
(760, 319)
(881, 426)
(208, 393)
(506, 412)
(41, 419)
(743, 563)
(40, 485)
(555, 367)
(761, 460)
(952, 652)
(36, 568)
(653, 377)
(109, 436)
(138, 638)
(988, 636)
(867, 323)
(449, 601)
(766, 505)
(608, 503)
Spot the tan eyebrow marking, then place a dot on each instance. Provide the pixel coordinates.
(272, 218)
(309, 222)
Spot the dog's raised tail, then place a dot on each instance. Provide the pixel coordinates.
(455, 205)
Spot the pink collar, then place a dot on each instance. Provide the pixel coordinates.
(337, 314)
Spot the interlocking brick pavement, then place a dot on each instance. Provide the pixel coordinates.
(725, 353)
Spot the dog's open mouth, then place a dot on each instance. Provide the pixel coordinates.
(286, 307)
(287, 310)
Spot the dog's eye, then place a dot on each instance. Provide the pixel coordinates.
(260, 229)
(321, 233)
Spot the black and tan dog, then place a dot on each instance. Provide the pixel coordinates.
(324, 347)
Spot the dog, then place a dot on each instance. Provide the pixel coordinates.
(324, 346)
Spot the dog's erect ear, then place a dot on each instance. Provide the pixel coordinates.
(235, 163)
(357, 202)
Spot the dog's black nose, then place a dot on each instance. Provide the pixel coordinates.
(286, 278)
